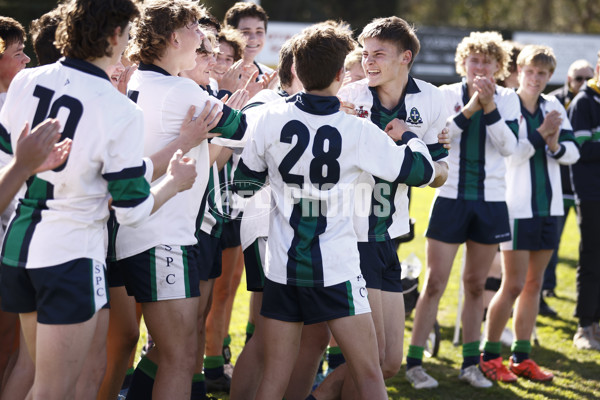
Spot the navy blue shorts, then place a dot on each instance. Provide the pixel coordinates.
(380, 266)
(163, 272)
(114, 274)
(230, 237)
(209, 256)
(254, 261)
(537, 233)
(68, 293)
(312, 305)
(458, 220)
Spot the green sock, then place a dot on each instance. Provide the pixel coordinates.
(211, 362)
(198, 378)
(414, 358)
(415, 352)
(470, 349)
(148, 367)
(470, 354)
(250, 328)
(521, 346)
(491, 350)
(227, 341)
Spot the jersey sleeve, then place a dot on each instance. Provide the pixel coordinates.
(568, 153)
(409, 162)
(502, 123)
(436, 149)
(125, 172)
(581, 117)
(251, 172)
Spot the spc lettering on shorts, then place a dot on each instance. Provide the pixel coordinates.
(163, 272)
(67, 293)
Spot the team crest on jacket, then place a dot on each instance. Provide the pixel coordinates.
(457, 107)
(414, 117)
(362, 113)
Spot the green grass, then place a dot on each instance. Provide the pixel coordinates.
(577, 373)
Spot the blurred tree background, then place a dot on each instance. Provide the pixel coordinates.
(567, 16)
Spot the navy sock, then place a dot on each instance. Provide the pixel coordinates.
(127, 380)
(519, 357)
(142, 381)
(198, 388)
(335, 358)
(469, 360)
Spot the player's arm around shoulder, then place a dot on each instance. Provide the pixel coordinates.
(407, 159)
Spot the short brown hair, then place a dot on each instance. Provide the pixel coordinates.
(11, 31)
(394, 30)
(537, 55)
(489, 43)
(159, 19)
(319, 53)
(286, 62)
(86, 26)
(235, 39)
(245, 9)
(43, 34)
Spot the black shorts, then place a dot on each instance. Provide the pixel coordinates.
(230, 236)
(458, 220)
(380, 266)
(537, 233)
(254, 261)
(312, 305)
(68, 293)
(209, 256)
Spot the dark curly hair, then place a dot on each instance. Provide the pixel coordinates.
(43, 34)
(87, 24)
(159, 19)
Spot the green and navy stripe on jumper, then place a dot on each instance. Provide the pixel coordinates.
(305, 261)
(5, 144)
(246, 181)
(471, 175)
(232, 124)
(209, 200)
(541, 193)
(128, 187)
(27, 216)
(200, 216)
(383, 200)
(541, 188)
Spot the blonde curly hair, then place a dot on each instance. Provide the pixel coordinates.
(489, 43)
(159, 19)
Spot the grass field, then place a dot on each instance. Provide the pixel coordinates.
(577, 373)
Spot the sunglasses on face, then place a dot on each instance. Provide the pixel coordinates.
(582, 78)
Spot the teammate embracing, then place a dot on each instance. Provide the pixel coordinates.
(313, 154)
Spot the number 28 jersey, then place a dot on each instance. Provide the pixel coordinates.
(313, 154)
(62, 214)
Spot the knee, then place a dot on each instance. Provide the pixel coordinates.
(391, 366)
(131, 337)
(434, 288)
(473, 287)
